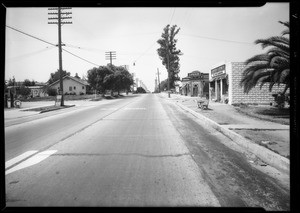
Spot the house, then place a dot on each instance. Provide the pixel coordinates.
(71, 85)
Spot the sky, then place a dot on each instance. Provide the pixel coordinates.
(207, 36)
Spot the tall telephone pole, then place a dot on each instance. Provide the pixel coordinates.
(158, 80)
(111, 55)
(58, 19)
(168, 67)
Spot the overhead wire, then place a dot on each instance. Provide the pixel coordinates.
(51, 44)
(155, 41)
(216, 39)
(80, 57)
(30, 54)
(31, 36)
(172, 16)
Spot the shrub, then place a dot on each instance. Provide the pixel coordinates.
(24, 91)
(51, 92)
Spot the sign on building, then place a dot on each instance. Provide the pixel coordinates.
(218, 71)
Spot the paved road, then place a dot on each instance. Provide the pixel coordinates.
(137, 151)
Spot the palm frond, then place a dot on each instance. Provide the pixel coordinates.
(287, 23)
(278, 51)
(285, 32)
(271, 42)
(258, 58)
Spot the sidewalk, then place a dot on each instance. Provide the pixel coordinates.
(267, 140)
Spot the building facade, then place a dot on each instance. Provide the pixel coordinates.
(71, 85)
(37, 91)
(224, 86)
(195, 84)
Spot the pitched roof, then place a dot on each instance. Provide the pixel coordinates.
(72, 78)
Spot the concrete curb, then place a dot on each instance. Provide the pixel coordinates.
(49, 110)
(261, 152)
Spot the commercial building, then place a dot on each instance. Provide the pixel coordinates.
(224, 86)
(195, 84)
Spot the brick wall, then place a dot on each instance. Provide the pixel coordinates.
(256, 95)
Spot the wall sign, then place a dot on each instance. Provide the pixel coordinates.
(185, 79)
(195, 74)
(218, 71)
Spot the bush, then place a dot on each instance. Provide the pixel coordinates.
(280, 99)
(24, 91)
(51, 92)
(81, 93)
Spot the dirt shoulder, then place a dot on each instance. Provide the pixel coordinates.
(252, 122)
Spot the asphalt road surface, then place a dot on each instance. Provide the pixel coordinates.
(136, 151)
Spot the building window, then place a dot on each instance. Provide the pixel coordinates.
(74, 88)
(70, 88)
(82, 87)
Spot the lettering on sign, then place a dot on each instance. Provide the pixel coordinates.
(185, 79)
(218, 71)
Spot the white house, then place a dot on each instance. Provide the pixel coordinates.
(71, 85)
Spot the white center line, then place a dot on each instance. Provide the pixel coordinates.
(19, 158)
(31, 161)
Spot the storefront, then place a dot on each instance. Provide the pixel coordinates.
(224, 86)
(195, 84)
(219, 84)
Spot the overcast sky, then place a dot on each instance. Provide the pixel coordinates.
(207, 36)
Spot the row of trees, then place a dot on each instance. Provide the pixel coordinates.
(110, 77)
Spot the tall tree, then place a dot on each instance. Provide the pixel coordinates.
(272, 67)
(169, 54)
(100, 78)
(122, 79)
(55, 76)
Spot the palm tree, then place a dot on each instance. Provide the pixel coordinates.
(271, 67)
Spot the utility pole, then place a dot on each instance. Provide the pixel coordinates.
(111, 55)
(168, 67)
(59, 16)
(158, 80)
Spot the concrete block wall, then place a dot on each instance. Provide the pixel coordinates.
(256, 95)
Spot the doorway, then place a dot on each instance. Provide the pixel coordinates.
(218, 90)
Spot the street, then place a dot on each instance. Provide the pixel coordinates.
(139, 150)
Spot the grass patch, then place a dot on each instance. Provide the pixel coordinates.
(66, 98)
(272, 114)
(48, 108)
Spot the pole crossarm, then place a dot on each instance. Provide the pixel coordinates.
(60, 20)
(110, 55)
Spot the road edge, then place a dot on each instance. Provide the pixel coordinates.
(266, 155)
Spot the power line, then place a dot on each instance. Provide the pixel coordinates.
(144, 53)
(79, 57)
(172, 15)
(52, 44)
(30, 54)
(30, 35)
(216, 39)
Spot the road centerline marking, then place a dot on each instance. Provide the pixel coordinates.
(31, 161)
(19, 158)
